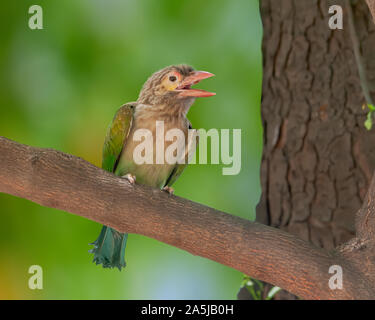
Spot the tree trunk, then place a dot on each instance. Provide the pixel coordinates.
(318, 158)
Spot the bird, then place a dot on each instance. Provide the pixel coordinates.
(166, 96)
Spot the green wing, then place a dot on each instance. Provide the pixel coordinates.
(116, 137)
(109, 248)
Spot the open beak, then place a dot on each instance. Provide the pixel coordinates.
(196, 76)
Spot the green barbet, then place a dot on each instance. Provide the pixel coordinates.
(166, 96)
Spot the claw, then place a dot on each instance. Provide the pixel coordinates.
(168, 189)
(131, 178)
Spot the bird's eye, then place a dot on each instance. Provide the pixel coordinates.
(172, 78)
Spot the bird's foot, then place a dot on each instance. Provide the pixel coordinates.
(168, 189)
(131, 178)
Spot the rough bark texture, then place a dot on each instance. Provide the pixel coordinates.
(54, 179)
(318, 158)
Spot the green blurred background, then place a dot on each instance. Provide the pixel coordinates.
(60, 87)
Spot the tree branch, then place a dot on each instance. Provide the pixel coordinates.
(58, 180)
(357, 53)
(371, 5)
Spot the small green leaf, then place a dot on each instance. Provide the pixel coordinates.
(368, 122)
(371, 107)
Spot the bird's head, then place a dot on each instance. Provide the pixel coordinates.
(172, 86)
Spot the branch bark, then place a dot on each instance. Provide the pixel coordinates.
(371, 5)
(58, 180)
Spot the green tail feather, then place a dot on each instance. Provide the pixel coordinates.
(109, 248)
